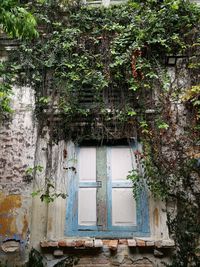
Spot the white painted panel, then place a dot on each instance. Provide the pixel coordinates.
(87, 164)
(123, 207)
(122, 161)
(87, 206)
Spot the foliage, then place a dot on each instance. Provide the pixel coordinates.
(35, 259)
(5, 91)
(187, 231)
(192, 96)
(99, 51)
(68, 261)
(48, 193)
(122, 50)
(16, 20)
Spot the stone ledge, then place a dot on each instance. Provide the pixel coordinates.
(111, 243)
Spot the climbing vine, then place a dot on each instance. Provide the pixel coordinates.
(108, 71)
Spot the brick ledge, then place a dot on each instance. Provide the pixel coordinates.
(112, 244)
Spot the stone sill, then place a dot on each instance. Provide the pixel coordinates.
(90, 243)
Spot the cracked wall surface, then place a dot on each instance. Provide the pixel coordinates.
(17, 146)
(25, 221)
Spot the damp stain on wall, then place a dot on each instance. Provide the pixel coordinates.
(9, 208)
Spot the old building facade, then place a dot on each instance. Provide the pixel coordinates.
(98, 222)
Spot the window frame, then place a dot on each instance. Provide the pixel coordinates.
(141, 229)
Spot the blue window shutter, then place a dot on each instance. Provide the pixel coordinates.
(107, 193)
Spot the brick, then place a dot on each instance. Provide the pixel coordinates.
(150, 243)
(80, 243)
(165, 243)
(44, 244)
(106, 242)
(142, 265)
(92, 265)
(100, 260)
(98, 243)
(70, 243)
(158, 244)
(89, 243)
(123, 241)
(58, 253)
(140, 243)
(113, 244)
(168, 243)
(53, 244)
(85, 261)
(131, 242)
(62, 243)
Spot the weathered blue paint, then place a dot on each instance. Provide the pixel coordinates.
(126, 184)
(106, 234)
(88, 184)
(71, 203)
(142, 211)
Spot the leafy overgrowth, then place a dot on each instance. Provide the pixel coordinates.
(98, 53)
(16, 20)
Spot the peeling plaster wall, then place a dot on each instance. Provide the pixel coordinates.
(25, 221)
(51, 216)
(17, 146)
(55, 158)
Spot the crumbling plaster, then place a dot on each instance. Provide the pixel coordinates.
(27, 220)
(17, 142)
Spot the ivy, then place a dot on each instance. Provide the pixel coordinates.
(16, 20)
(122, 50)
(5, 92)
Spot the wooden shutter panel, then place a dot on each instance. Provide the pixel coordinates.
(123, 207)
(87, 206)
(123, 204)
(87, 186)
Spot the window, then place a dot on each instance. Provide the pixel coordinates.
(100, 199)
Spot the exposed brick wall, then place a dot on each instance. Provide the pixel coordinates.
(17, 144)
(123, 256)
(17, 152)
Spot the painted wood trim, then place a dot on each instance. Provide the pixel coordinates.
(85, 184)
(121, 184)
(89, 185)
(127, 184)
(107, 234)
(71, 209)
(72, 229)
(101, 190)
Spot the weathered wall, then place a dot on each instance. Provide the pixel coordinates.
(17, 143)
(55, 158)
(24, 221)
(124, 256)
